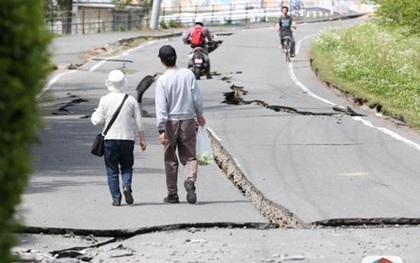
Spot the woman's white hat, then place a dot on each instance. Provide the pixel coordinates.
(116, 81)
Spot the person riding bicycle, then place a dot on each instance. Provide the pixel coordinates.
(284, 26)
(196, 37)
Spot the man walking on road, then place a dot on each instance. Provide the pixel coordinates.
(178, 100)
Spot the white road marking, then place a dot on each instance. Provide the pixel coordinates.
(354, 174)
(53, 81)
(360, 119)
(389, 132)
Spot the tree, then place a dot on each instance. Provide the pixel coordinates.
(397, 13)
(121, 4)
(59, 9)
(49, 5)
(23, 68)
(67, 7)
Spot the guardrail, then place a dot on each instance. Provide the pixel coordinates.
(90, 19)
(263, 12)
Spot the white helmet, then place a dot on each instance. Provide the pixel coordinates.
(199, 19)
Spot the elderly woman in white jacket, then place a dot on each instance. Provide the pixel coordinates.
(119, 141)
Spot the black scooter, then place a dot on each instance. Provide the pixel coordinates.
(199, 64)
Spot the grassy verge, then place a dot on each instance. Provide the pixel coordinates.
(377, 65)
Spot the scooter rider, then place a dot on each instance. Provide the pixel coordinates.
(285, 25)
(196, 37)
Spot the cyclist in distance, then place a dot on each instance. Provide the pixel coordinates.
(284, 26)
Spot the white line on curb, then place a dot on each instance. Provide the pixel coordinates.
(389, 132)
(53, 81)
(363, 121)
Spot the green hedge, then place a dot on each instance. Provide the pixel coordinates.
(397, 13)
(373, 63)
(23, 68)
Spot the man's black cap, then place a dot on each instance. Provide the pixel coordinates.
(167, 53)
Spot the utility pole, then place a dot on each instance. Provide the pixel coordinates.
(154, 20)
(76, 15)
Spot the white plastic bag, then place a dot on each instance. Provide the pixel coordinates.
(204, 150)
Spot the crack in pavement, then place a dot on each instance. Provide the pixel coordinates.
(236, 97)
(70, 103)
(127, 233)
(274, 212)
(368, 222)
(118, 235)
(277, 215)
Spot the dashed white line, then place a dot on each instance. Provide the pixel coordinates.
(363, 121)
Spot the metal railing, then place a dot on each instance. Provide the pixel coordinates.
(262, 11)
(97, 19)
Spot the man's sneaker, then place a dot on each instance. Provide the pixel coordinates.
(116, 203)
(172, 199)
(128, 196)
(292, 55)
(191, 195)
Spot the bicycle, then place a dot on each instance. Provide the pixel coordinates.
(286, 48)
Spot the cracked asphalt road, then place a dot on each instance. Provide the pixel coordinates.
(315, 168)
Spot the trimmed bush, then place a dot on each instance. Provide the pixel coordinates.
(378, 65)
(400, 13)
(23, 68)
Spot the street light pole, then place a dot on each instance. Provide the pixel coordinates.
(76, 15)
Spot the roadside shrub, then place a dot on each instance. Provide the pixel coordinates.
(400, 13)
(23, 68)
(379, 65)
(173, 23)
(163, 25)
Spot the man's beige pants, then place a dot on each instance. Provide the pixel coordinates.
(181, 136)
